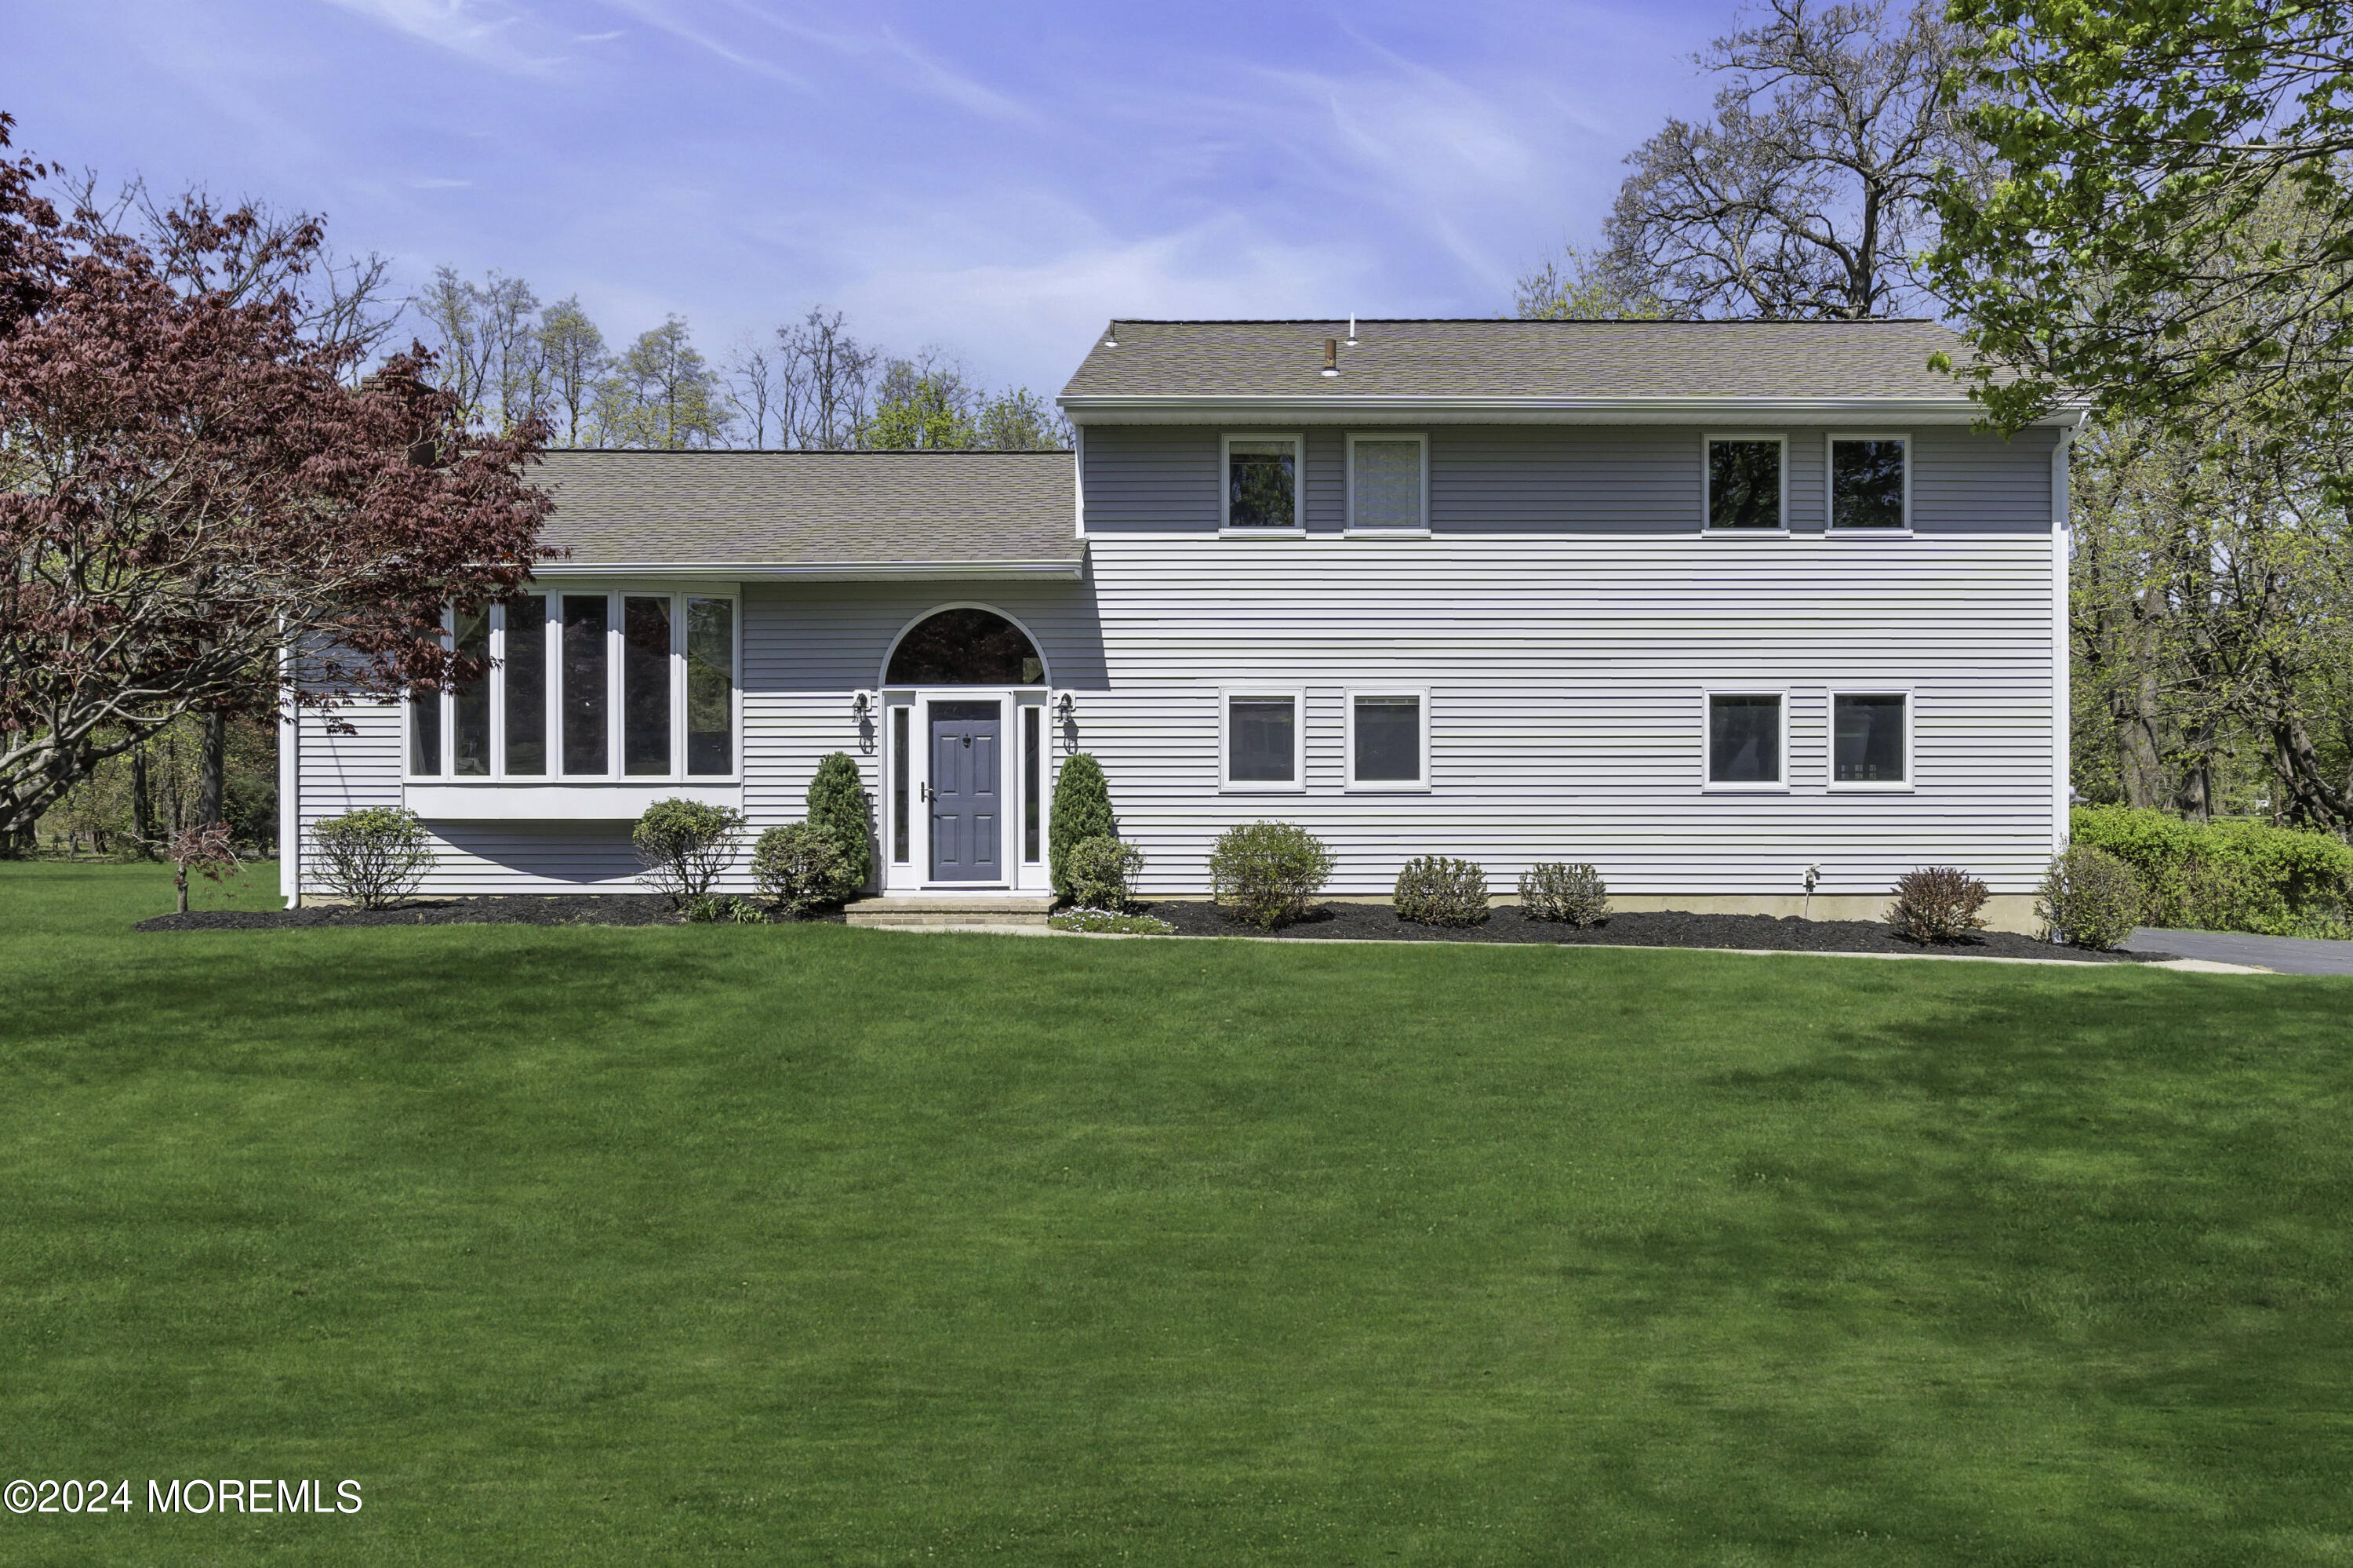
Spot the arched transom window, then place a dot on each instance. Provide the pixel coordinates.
(967, 647)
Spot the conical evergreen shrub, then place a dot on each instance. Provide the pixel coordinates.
(1082, 811)
(838, 808)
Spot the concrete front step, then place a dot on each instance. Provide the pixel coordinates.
(953, 912)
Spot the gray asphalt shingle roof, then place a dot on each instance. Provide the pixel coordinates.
(1503, 358)
(814, 512)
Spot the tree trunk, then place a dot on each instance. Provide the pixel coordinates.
(142, 805)
(214, 785)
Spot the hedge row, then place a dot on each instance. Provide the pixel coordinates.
(2227, 875)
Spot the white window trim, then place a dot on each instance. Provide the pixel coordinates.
(1419, 785)
(1707, 485)
(1707, 741)
(1297, 783)
(1298, 529)
(1353, 529)
(1910, 783)
(551, 630)
(1829, 475)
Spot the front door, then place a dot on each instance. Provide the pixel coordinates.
(964, 814)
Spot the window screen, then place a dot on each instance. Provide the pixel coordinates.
(472, 705)
(1744, 484)
(1261, 484)
(1867, 485)
(1261, 734)
(1744, 739)
(1388, 740)
(524, 674)
(1867, 739)
(1385, 484)
(710, 685)
(584, 682)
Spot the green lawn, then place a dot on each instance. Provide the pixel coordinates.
(819, 1245)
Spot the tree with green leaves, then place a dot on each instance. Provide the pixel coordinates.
(920, 402)
(662, 394)
(2122, 254)
(1018, 421)
(1584, 286)
(572, 351)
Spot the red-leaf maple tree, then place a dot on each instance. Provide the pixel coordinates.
(188, 488)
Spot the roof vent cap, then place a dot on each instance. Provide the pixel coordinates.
(1331, 356)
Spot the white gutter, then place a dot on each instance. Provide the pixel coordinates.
(827, 571)
(1124, 409)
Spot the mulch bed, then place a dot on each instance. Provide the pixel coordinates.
(1664, 929)
(1192, 918)
(491, 909)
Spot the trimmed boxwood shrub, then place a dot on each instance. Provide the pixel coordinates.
(1937, 904)
(1435, 891)
(371, 856)
(1082, 811)
(2090, 899)
(800, 867)
(1557, 891)
(2223, 876)
(686, 845)
(1101, 873)
(839, 808)
(1265, 873)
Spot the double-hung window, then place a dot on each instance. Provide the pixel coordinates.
(1870, 483)
(1747, 484)
(1388, 483)
(1871, 740)
(1261, 484)
(586, 684)
(1262, 741)
(1745, 748)
(1388, 739)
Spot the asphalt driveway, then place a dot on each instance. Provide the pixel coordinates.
(2288, 955)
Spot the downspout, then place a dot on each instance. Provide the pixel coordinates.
(2062, 694)
(290, 785)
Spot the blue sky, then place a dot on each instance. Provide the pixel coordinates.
(993, 181)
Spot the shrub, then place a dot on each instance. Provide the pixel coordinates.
(1263, 873)
(1082, 811)
(2228, 876)
(1100, 871)
(839, 808)
(801, 867)
(1937, 904)
(2090, 898)
(1556, 892)
(1101, 920)
(371, 856)
(1435, 891)
(685, 845)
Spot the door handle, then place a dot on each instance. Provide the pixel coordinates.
(923, 791)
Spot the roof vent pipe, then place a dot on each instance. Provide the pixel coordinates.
(1111, 335)
(1331, 356)
(1352, 331)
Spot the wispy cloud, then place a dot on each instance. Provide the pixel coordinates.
(486, 34)
(438, 182)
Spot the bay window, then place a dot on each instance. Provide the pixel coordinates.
(600, 684)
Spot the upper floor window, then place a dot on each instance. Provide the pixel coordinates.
(1870, 482)
(1261, 483)
(1388, 483)
(1744, 482)
(591, 685)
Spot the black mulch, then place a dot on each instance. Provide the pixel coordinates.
(1667, 930)
(496, 909)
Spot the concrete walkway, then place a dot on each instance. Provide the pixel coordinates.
(2284, 955)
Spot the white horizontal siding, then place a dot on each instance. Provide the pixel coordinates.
(1565, 673)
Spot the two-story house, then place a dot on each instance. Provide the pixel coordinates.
(1706, 604)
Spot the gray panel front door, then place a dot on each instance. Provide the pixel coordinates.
(965, 820)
